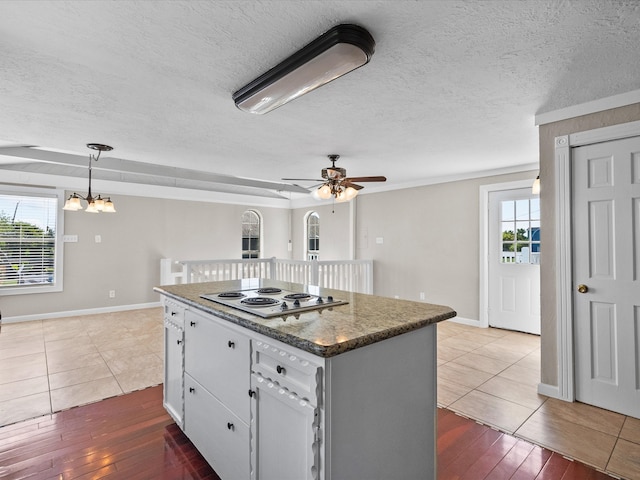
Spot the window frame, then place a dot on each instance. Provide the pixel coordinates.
(59, 195)
(524, 221)
(260, 236)
(308, 253)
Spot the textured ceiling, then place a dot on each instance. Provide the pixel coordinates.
(452, 88)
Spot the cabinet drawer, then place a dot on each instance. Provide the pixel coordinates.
(286, 368)
(219, 435)
(219, 359)
(174, 312)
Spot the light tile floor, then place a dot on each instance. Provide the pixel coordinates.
(52, 365)
(489, 375)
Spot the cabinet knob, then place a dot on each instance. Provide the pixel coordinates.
(230, 426)
(231, 344)
(191, 389)
(178, 342)
(280, 370)
(193, 324)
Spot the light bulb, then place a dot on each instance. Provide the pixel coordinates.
(73, 203)
(535, 189)
(350, 193)
(324, 192)
(109, 207)
(91, 208)
(341, 196)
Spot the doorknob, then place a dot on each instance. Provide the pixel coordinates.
(583, 288)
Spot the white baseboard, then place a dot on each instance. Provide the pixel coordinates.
(466, 321)
(552, 391)
(75, 313)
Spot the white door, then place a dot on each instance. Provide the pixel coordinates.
(606, 266)
(514, 260)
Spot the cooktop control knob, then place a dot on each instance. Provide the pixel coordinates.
(284, 306)
(296, 303)
(319, 300)
(329, 298)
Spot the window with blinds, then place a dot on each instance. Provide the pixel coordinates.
(29, 256)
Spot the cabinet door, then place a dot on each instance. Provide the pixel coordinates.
(284, 434)
(219, 359)
(174, 372)
(220, 436)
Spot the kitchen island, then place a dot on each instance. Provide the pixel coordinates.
(343, 391)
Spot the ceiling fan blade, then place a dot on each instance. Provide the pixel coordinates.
(366, 179)
(352, 185)
(302, 180)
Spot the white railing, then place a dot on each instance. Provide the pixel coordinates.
(350, 275)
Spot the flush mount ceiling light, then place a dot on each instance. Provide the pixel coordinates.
(94, 205)
(335, 53)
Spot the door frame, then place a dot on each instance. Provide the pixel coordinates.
(565, 390)
(485, 190)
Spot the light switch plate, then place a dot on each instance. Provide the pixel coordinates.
(70, 238)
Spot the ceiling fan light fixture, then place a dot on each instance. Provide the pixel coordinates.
(338, 51)
(324, 192)
(350, 193)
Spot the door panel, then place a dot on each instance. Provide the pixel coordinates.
(605, 351)
(601, 233)
(606, 237)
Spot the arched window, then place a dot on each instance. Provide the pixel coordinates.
(250, 234)
(313, 236)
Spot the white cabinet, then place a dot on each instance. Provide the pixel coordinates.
(285, 412)
(174, 360)
(218, 434)
(286, 432)
(217, 402)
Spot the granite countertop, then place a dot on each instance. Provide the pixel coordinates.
(366, 319)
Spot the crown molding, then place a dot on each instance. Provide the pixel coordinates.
(586, 108)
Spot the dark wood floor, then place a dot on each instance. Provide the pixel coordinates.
(131, 437)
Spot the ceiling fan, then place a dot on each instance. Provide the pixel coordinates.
(336, 183)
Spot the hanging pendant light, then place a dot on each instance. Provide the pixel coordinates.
(97, 204)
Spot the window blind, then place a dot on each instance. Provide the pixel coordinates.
(27, 240)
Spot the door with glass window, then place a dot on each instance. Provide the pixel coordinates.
(514, 260)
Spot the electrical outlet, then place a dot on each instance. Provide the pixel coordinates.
(112, 294)
(421, 295)
(98, 239)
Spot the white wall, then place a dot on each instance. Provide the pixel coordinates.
(134, 239)
(429, 240)
(430, 244)
(334, 233)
